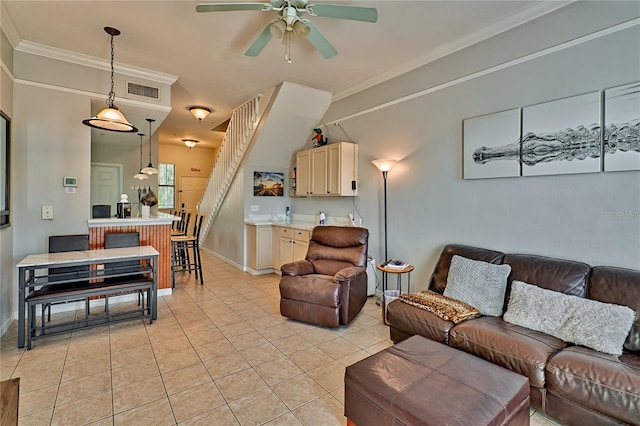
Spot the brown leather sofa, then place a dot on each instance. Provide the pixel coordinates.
(329, 287)
(573, 384)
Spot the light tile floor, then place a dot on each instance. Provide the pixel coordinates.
(219, 354)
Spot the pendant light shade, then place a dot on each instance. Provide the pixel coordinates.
(141, 175)
(110, 118)
(150, 170)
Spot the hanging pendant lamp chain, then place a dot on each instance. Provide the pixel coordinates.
(112, 94)
(141, 135)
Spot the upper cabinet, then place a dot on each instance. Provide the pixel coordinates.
(330, 170)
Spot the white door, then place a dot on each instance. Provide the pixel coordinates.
(106, 184)
(191, 189)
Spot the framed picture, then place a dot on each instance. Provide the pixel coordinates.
(268, 184)
(562, 136)
(491, 145)
(622, 128)
(5, 172)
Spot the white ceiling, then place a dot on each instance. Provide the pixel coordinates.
(206, 50)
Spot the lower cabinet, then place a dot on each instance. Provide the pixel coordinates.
(271, 246)
(259, 247)
(292, 244)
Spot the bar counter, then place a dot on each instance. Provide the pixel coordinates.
(154, 231)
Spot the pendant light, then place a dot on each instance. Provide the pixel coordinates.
(110, 118)
(150, 170)
(140, 175)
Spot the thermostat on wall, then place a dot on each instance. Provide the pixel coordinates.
(70, 181)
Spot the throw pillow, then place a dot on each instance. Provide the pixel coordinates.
(480, 284)
(596, 325)
(444, 307)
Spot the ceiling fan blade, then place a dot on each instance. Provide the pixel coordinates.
(318, 41)
(261, 41)
(231, 7)
(354, 13)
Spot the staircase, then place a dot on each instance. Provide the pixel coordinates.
(236, 143)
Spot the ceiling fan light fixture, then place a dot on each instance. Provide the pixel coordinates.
(278, 29)
(200, 112)
(301, 30)
(110, 118)
(190, 142)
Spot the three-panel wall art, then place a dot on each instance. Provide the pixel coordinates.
(558, 137)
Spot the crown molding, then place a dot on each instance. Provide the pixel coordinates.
(6, 69)
(8, 26)
(119, 100)
(510, 21)
(38, 49)
(553, 49)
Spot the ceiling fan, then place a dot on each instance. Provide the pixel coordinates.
(290, 24)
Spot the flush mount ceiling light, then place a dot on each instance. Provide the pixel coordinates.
(190, 142)
(200, 112)
(140, 175)
(110, 118)
(150, 170)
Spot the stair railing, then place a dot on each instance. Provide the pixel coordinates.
(239, 133)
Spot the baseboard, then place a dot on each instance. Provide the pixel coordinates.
(7, 323)
(224, 259)
(260, 271)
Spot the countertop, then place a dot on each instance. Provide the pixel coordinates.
(296, 224)
(160, 219)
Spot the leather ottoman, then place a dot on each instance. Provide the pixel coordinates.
(422, 382)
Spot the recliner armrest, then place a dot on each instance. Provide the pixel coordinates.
(297, 268)
(348, 274)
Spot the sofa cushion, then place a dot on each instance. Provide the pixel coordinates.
(564, 276)
(480, 284)
(317, 289)
(622, 287)
(517, 348)
(600, 326)
(606, 383)
(412, 320)
(439, 278)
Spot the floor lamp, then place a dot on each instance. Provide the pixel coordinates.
(384, 166)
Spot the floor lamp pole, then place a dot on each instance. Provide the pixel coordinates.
(386, 256)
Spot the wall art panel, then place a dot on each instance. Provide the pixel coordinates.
(622, 128)
(563, 136)
(491, 146)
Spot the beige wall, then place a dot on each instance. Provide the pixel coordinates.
(195, 162)
(6, 234)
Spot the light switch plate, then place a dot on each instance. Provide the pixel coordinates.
(47, 212)
(255, 207)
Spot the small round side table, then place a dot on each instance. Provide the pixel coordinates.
(399, 272)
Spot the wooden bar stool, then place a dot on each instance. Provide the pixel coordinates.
(181, 259)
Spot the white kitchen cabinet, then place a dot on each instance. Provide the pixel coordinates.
(293, 244)
(330, 170)
(303, 173)
(259, 247)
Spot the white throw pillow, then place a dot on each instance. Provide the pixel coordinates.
(596, 325)
(479, 284)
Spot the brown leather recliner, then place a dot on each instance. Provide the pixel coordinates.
(329, 287)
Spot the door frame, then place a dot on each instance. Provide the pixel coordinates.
(120, 168)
